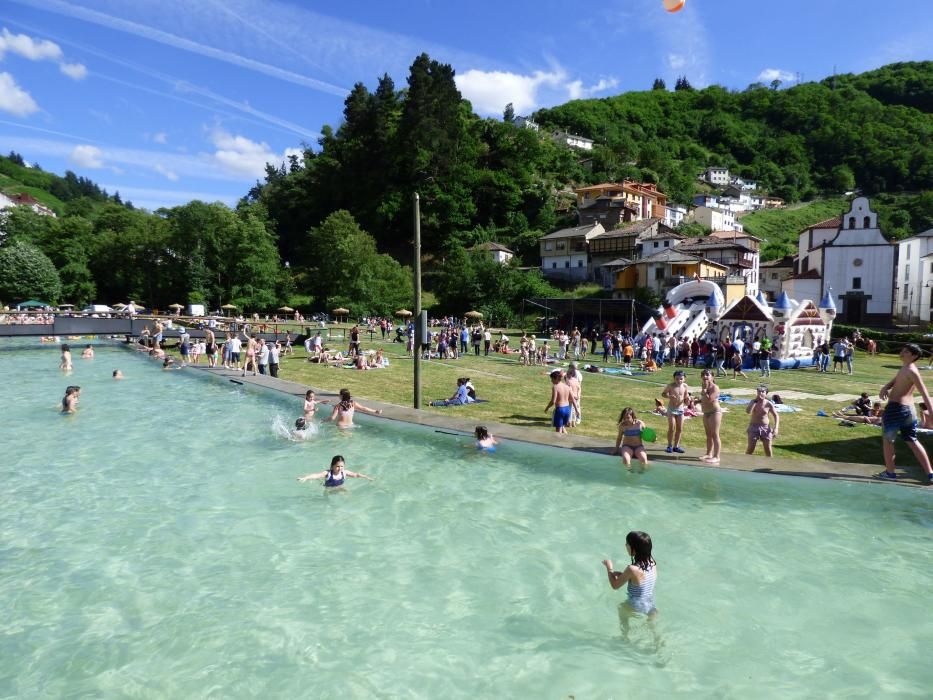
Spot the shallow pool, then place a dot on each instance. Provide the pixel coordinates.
(157, 545)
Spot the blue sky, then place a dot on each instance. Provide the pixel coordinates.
(176, 100)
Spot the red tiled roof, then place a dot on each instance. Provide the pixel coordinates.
(835, 222)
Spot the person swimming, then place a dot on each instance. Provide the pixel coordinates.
(70, 399)
(484, 441)
(336, 475)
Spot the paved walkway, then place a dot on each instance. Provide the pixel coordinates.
(747, 463)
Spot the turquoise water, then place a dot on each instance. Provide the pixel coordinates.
(157, 545)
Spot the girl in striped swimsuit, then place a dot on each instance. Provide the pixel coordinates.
(640, 576)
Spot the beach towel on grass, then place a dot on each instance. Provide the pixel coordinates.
(778, 407)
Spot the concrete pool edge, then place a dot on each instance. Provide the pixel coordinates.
(842, 471)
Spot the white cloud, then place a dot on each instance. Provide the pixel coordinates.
(769, 74)
(14, 99)
(676, 61)
(75, 71)
(490, 91)
(86, 157)
(239, 155)
(27, 47)
(162, 170)
(160, 137)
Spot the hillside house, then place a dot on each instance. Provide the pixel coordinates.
(664, 270)
(499, 252)
(8, 201)
(572, 140)
(716, 176)
(716, 219)
(739, 255)
(772, 275)
(915, 276)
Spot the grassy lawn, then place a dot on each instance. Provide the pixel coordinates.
(517, 395)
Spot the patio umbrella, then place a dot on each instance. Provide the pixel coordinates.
(285, 308)
(403, 312)
(176, 306)
(228, 306)
(473, 314)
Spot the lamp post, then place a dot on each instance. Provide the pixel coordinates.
(927, 285)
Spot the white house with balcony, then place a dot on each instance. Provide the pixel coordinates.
(717, 176)
(717, 219)
(674, 215)
(915, 277)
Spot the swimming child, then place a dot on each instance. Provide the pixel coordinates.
(336, 475)
(66, 357)
(70, 399)
(311, 404)
(117, 374)
(676, 394)
(485, 441)
(628, 441)
(640, 576)
(87, 353)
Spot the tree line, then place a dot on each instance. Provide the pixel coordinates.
(333, 226)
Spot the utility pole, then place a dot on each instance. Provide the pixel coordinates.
(419, 331)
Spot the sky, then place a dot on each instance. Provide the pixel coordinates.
(176, 100)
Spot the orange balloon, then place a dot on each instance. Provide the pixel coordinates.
(674, 5)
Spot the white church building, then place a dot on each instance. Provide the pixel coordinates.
(850, 257)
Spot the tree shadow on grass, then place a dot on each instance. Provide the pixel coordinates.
(522, 420)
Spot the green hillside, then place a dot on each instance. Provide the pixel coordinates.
(778, 228)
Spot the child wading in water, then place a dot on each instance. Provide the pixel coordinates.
(628, 442)
(898, 414)
(311, 404)
(485, 441)
(676, 395)
(640, 576)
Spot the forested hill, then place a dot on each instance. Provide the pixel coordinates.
(488, 179)
(873, 131)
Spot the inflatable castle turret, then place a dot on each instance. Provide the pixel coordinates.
(827, 307)
(761, 298)
(713, 308)
(782, 307)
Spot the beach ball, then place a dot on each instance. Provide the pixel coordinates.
(674, 5)
(648, 435)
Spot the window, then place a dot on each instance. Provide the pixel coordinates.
(667, 244)
(553, 265)
(774, 275)
(851, 222)
(908, 251)
(907, 273)
(659, 273)
(866, 222)
(655, 244)
(566, 263)
(561, 245)
(579, 263)
(856, 283)
(905, 292)
(548, 245)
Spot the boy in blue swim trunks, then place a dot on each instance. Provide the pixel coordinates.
(676, 394)
(898, 414)
(561, 399)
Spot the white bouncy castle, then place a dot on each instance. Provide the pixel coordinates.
(695, 309)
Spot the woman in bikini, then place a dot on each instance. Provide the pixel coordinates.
(712, 417)
(628, 442)
(343, 411)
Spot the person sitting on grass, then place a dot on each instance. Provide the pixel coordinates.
(649, 365)
(461, 396)
(873, 418)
